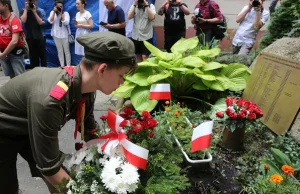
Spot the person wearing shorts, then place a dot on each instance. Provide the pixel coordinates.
(143, 15)
(11, 45)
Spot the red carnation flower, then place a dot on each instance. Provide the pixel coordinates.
(123, 123)
(240, 102)
(146, 115)
(134, 122)
(241, 115)
(220, 114)
(247, 104)
(259, 113)
(228, 111)
(138, 128)
(152, 123)
(230, 101)
(129, 112)
(251, 116)
(103, 117)
(232, 115)
(78, 146)
(151, 134)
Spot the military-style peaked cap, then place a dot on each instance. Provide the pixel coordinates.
(108, 47)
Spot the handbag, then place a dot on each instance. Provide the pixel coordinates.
(71, 38)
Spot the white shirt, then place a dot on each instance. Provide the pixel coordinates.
(63, 30)
(246, 33)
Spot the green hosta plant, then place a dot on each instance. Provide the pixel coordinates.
(187, 69)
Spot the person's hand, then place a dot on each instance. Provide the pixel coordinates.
(55, 9)
(135, 2)
(33, 9)
(201, 20)
(107, 26)
(78, 25)
(2, 57)
(145, 3)
(250, 4)
(26, 6)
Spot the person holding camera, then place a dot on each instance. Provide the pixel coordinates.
(11, 46)
(252, 17)
(33, 18)
(83, 22)
(143, 15)
(60, 30)
(115, 18)
(174, 23)
(206, 16)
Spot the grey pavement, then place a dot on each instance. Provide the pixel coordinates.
(29, 185)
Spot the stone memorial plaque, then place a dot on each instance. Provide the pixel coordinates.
(275, 87)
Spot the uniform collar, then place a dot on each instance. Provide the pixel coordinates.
(77, 84)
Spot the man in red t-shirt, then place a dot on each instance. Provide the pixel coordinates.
(207, 14)
(11, 46)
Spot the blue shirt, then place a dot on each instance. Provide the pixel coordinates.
(116, 16)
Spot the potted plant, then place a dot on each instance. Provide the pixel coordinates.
(181, 121)
(187, 69)
(239, 114)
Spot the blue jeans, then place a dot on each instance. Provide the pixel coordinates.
(14, 65)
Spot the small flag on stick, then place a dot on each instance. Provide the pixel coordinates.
(160, 92)
(201, 136)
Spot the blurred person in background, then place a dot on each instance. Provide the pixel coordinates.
(143, 15)
(60, 20)
(83, 22)
(174, 22)
(115, 19)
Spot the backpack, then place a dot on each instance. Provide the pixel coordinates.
(220, 29)
(22, 36)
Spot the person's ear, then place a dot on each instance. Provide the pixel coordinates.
(101, 69)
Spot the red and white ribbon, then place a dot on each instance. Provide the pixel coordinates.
(202, 136)
(134, 154)
(160, 92)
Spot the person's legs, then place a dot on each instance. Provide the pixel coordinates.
(273, 6)
(33, 53)
(60, 51)
(138, 50)
(8, 159)
(145, 51)
(18, 64)
(245, 49)
(42, 52)
(7, 68)
(66, 46)
(168, 43)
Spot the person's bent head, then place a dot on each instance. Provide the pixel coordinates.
(108, 57)
(109, 4)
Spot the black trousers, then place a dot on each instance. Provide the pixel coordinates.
(170, 40)
(37, 52)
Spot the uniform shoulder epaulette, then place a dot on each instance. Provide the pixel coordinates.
(59, 90)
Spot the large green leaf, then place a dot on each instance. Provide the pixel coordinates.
(199, 85)
(220, 84)
(211, 66)
(140, 99)
(280, 157)
(236, 70)
(141, 76)
(165, 64)
(147, 64)
(207, 53)
(183, 69)
(157, 77)
(153, 60)
(237, 84)
(192, 71)
(124, 91)
(158, 53)
(183, 44)
(206, 77)
(193, 61)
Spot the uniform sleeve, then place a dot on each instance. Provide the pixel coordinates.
(88, 15)
(45, 114)
(217, 12)
(89, 122)
(16, 25)
(121, 16)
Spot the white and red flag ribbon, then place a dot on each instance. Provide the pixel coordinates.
(202, 136)
(160, 92)
(134, 154)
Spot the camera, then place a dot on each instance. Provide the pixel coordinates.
(58, 9)
(140, 1)
(255, 3)
(30, 4)
(172, 1)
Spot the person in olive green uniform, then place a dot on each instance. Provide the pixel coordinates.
(35, 105)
